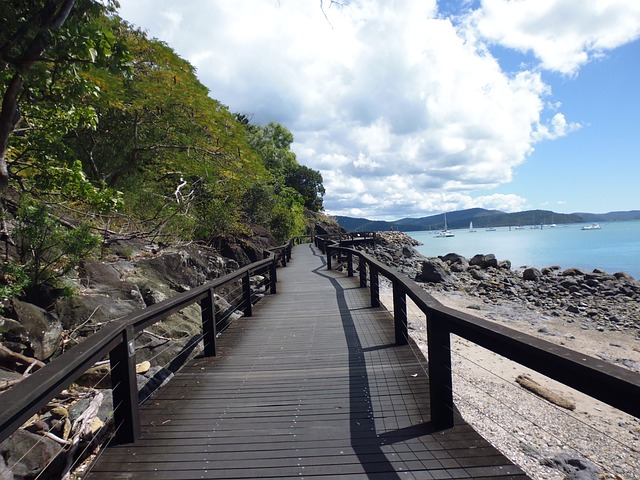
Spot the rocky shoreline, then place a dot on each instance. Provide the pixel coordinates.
(596, 299)
(596, 313)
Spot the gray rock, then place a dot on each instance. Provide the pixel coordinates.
(43, 328)
(454, 258)
(484, 261)
(572, 272)
(32, 456)
(532, 274)
(435, 271)
(573, 465)
(5, 471)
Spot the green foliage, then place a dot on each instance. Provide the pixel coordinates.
(118, 127)
(47, 249)
(13, 281)
(308, 183)
(287, 219)
(47, 56)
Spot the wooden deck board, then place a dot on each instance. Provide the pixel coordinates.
(311, 386)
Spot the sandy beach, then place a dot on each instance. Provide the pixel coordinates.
(526, 428)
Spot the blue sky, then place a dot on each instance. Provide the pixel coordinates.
(413, 107)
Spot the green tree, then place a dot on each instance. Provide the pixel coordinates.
(44, 47)
(168, 146)
(47, 249)
(308, 183)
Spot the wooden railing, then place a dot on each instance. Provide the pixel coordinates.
(604, 381)
(344, 239)
(116, 340)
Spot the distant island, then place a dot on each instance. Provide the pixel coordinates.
(483, 218)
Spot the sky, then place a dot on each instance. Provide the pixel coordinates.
(410, 108)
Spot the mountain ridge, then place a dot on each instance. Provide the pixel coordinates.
(482, 218)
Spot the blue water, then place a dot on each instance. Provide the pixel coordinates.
(614, 248)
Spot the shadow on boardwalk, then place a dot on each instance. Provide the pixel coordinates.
(310, 386)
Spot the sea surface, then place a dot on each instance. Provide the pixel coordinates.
(613, 248)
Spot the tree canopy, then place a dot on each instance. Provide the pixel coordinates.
(115, 130)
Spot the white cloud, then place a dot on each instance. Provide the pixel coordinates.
(403, 112)
(562, 34)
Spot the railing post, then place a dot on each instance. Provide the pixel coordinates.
(273, 277)
(328, 258)
(122, 360)
(208, 307)
(246, 295)
(283, 256)
(374, 285)
(400, 314)
(362, 267)
(349, 264)
(440, 383)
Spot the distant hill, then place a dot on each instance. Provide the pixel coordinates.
(482, 218)
(611, 216)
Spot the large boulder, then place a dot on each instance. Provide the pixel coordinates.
(32, 456)
(532, 274)
(434, 270)
(454, 258)
(484, 261)
(43, 329)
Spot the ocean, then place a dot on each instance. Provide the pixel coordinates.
(613, 248)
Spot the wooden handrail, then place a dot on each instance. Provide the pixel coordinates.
(115, 339)
(611, 384)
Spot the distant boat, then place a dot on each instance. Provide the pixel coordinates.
(491, 229)
(446, 232)
(519, 227)
(593, 226)
(471, 230)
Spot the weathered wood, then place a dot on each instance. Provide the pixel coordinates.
(530, 384)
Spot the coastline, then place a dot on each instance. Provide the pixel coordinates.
(542, 438)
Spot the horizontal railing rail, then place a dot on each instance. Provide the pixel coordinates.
(344, 239)
(611, 384)
(116, 340)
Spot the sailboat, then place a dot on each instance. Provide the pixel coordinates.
(446, 232)
(471, 230)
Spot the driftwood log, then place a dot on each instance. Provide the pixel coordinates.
(16, 361)
(528, 383)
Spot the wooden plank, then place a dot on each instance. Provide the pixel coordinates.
(312, 385)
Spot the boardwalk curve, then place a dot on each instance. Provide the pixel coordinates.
(311, 386)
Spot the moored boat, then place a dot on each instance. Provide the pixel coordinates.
(593, 226)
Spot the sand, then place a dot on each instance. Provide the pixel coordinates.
(525, 427)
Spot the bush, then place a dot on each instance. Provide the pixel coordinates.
(47, 249)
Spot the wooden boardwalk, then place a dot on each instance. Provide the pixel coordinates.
(310, 386)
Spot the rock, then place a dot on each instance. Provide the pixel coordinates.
(36, 456)
(478, 275)
(532, 274)
(408, 251)
(572, 272)
(504, 264)
(484, 261)
(453, 259)
(94, 273)
(5, 471)
(435, 271)
(44, 330)
(623, 276)
(13, 331)
(573, 465)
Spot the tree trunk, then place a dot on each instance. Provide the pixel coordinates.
(51, 17)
